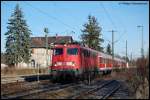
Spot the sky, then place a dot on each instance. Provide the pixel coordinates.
(68, 17)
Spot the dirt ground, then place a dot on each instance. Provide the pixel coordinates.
(139, 89)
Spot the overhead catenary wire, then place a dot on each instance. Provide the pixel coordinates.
(120, 37)
(58, 20)
(125, 29)
(113, 24)
(107, 14)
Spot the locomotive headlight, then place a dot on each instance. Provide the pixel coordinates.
(70, 63)
(64, 63)
(73, 64)
(59, 63)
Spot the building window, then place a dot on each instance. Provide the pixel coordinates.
(33, 63)
(32, 51)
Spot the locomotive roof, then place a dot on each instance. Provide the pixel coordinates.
(101, 54)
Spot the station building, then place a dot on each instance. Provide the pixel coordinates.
(38, 50)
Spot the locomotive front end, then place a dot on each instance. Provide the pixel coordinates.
(65, 61)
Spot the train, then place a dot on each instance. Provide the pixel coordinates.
(78, 61)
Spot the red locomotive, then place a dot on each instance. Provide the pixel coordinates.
(76, 60)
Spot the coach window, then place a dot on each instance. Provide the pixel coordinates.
(72, 51)
(100, 59)
(104, 60)
(58, 51)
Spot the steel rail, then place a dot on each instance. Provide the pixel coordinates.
(91, 90)
(35, 91)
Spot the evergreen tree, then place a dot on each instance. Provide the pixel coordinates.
(108, 49)
(3, 58)
(92, 33)
(125, 58)
(18, 38)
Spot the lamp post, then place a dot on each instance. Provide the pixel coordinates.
(142, 49)
(51, 46)
(46, 33)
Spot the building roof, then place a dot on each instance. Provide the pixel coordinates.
(40, 42)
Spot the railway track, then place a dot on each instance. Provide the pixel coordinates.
(107, 90)
(12, 88)
(35, 90)
(122, 92)
(102, 91)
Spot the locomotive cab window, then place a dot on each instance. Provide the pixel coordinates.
(72, 51)
(58, 51)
